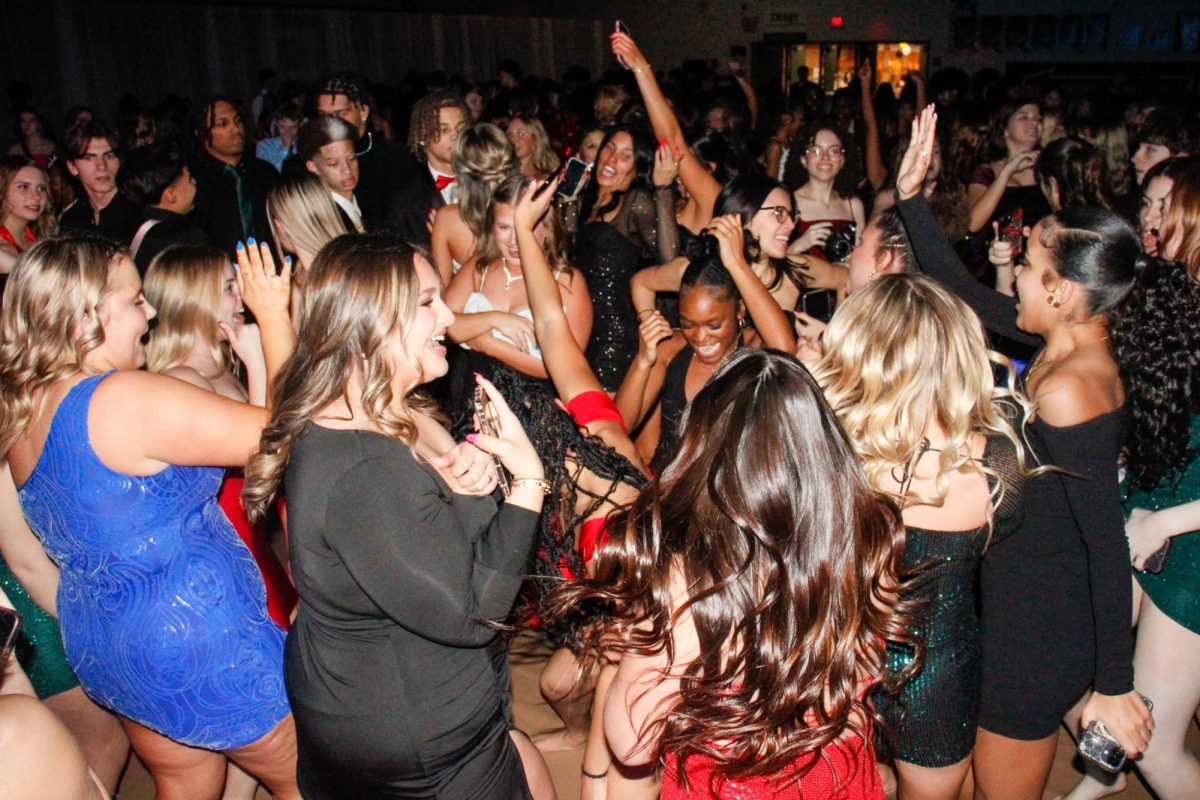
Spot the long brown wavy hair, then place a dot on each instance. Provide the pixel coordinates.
(791, 563)
(361, 288)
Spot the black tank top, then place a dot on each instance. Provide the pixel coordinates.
(672, 403)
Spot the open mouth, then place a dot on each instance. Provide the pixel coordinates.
(437, 344)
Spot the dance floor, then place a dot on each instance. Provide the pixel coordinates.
(533, 715)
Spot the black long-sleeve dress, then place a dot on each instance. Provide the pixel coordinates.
(1056, 594)
(387, 667)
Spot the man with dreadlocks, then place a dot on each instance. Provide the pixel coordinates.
(433, 128)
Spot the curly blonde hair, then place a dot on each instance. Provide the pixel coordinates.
(361, 288)
(902, 353)
(482, 157)
(184, 283)
(49, 321)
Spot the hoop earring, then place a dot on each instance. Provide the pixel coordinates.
(1053, 301)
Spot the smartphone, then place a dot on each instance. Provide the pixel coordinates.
(10, 629)
(818, 304)
(1012, 230)
(486, 422)
(573, 175)
(621, 27)
(1100, 747)
(553, 175)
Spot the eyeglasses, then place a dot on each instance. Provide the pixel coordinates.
(781, 213)
(833, 151)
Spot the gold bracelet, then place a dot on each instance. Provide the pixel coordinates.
(540, 483)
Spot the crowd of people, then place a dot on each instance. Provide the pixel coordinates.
(829, 440)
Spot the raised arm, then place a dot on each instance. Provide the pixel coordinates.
(739, 75)
(930, 246)
(769, 319)
(568, 368)
(648, 282)
(876, 171)
(702, 187)
(267, 294)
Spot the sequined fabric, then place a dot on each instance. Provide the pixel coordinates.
(39, 645)
(845, 770)
(608, 260)
(933, 721)
(162, 608)
(1176, 590)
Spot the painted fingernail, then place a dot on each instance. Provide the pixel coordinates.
(250, 240)
(472, 437)
(287, 259)
(241, 247)
(477, 375)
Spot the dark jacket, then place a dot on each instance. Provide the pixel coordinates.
(411, 201)
(216, 199)
(172, 229)
(382, 168)
(118, 220)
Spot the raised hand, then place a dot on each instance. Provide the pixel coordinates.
(624, 46)
(530, 209)
(264, 291)
(731, 237)
(652, 331)
(666, 165)
(914, 166)
(511, 445)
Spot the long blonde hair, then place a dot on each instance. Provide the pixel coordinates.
(301, 203)
(184, 283)
(361, 288)
(902, 353)
(50, 321)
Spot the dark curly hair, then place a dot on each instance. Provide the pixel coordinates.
(566, 450)
(1156, 338)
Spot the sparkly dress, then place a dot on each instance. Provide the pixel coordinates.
(39, 646)
(844, 770)
(933, 720)
(1176, 590)
(162, 608)
(608, 253)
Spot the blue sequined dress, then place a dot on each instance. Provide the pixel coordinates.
(163, 610)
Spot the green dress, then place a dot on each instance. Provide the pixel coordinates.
(39, 646)
(1176, 590)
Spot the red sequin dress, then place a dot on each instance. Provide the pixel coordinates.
(281, 594)
(844, 770)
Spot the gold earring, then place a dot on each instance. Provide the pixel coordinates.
(1053, 301)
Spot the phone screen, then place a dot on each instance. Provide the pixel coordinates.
(572, 177)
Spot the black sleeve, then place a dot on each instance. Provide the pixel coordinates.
(666, 224)
(1089, 454)
(938, 260)
(412, 553)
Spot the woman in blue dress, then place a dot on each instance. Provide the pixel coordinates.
(162, 609)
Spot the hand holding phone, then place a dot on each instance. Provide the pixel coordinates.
(575, 172)
(621, 27)
(487, 423)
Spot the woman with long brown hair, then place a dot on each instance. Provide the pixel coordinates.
(399, 571)
(750, 593)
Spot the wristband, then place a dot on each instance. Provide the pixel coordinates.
(540, 483)
(593, 776)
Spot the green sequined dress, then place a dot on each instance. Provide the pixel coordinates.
(1176, 590)
(934, 718)
(39, 646)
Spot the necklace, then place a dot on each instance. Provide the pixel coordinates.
(1042, 361)
(509, 278)
(370, 144)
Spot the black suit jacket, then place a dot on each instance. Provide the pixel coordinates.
(382, 167)
(216, 199)
(409, 205)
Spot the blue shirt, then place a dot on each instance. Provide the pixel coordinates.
(272, 151)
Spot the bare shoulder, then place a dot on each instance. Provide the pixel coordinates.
(1072, 395)
(190, 375)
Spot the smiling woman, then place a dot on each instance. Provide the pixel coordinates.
(399, 570)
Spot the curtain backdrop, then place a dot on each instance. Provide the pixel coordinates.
(93, 52)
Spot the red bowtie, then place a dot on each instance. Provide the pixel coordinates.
(443, 181)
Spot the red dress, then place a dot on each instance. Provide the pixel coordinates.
(844, 770)
(281, 594)
(7, 236)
